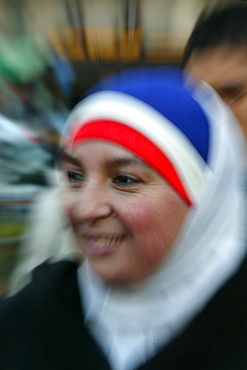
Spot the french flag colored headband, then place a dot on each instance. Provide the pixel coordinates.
(154, 114)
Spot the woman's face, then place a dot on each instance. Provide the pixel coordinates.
(124, 216)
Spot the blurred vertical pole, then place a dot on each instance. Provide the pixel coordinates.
(74, 11)
(130, 33)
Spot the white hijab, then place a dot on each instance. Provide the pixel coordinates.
(131, 324)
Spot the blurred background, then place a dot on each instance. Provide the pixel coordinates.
(50, 53)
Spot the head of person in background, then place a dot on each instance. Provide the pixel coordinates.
(216, 52)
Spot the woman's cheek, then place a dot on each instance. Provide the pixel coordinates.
(136, 214)
(145, 211)
(154, 222)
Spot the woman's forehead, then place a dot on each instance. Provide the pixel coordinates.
(106, 147)
(109, 153)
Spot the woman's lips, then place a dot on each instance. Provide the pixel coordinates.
(101, 245)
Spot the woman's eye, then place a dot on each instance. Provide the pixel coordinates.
(125, 180)
(75, 177)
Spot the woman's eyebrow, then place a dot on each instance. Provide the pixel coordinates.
(66, 157)
(108, 163)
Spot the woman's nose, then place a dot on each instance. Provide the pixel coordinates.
(92, 203)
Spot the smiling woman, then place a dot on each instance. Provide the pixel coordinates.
(116, 200)
(152, 162)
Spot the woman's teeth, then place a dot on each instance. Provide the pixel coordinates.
(103, 241)
(99, 241)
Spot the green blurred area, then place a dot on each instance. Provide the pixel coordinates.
(10, 238)
(11, 229)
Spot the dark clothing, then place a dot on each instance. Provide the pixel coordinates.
(41, 328)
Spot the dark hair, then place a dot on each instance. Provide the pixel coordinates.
(221, 26)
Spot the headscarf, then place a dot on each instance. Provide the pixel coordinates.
(182, 129)
(139, 112)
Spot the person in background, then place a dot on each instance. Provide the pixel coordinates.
(216, 52)
(154, 194)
